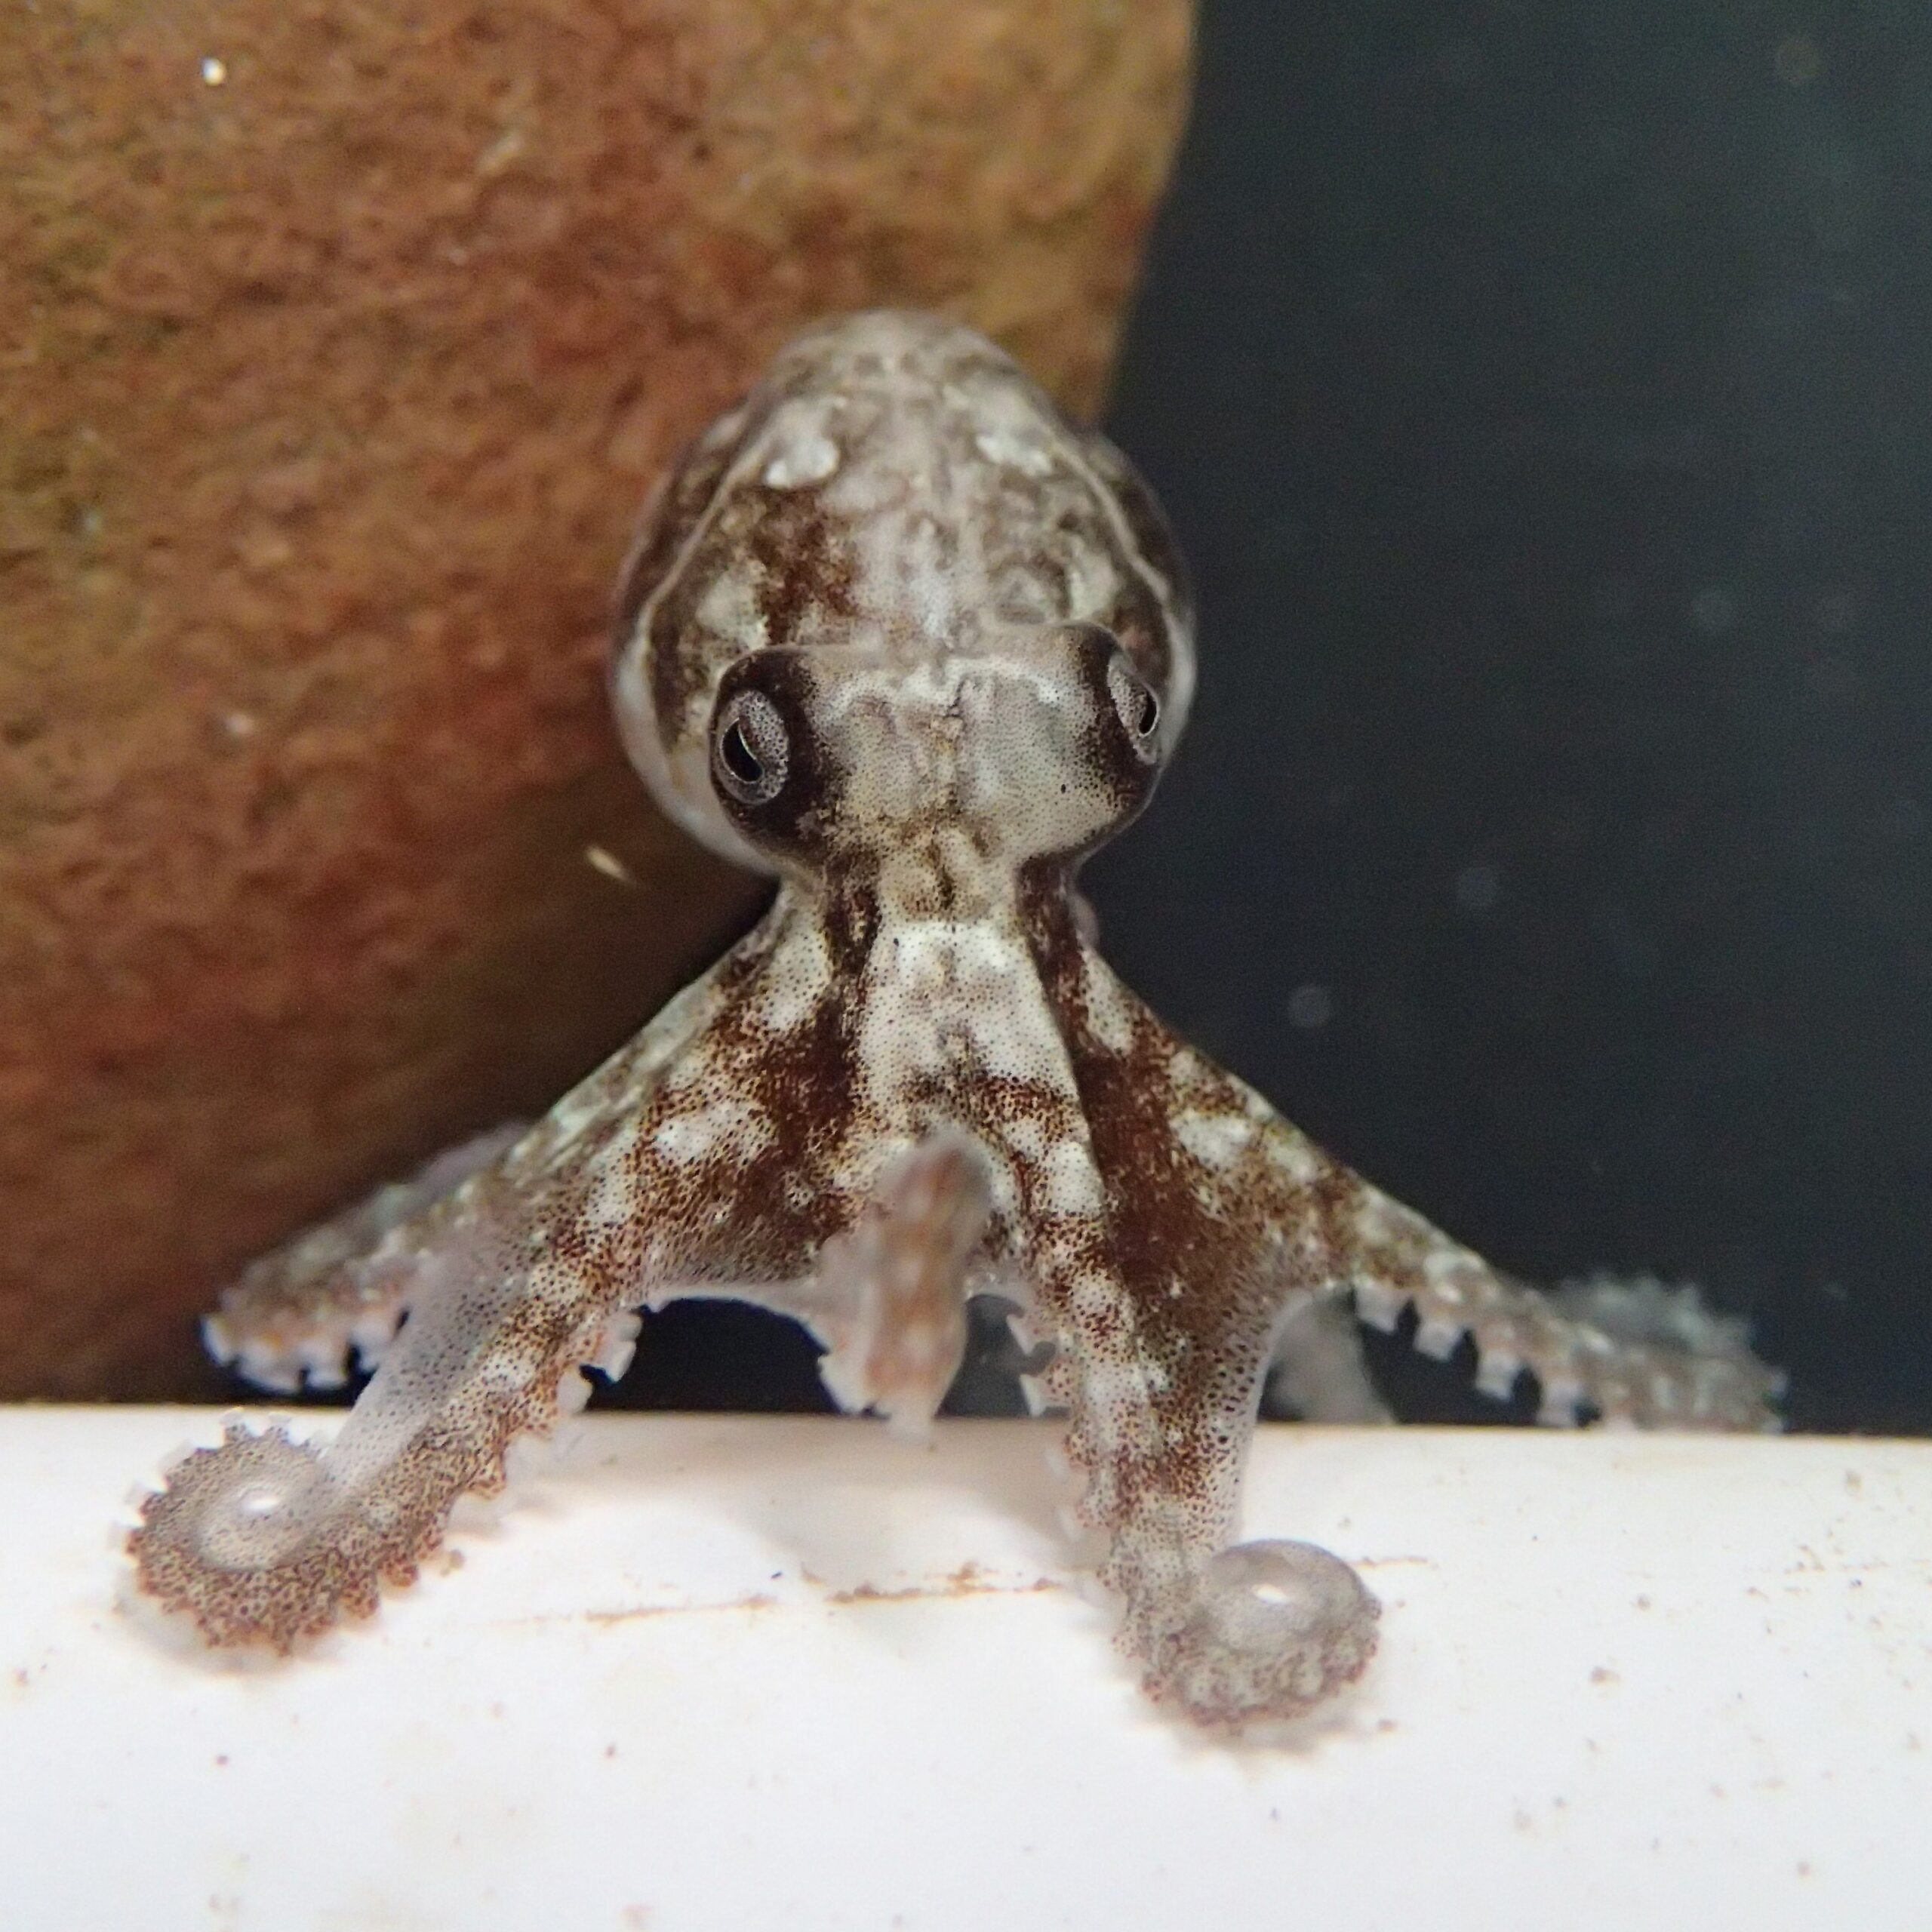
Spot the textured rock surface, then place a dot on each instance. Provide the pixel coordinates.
(338, 344)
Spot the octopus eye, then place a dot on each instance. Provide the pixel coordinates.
(750, 751)
(1139, 706)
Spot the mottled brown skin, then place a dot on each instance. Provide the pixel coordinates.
(900, 633)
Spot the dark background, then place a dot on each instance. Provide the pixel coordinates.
(1542, 394)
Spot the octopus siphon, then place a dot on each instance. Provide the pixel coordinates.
(897, 632)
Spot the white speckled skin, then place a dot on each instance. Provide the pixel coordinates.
(896, 631)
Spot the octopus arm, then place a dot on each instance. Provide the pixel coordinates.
(334, 1295)
(512, 1279)
(265, 1540)
(630, 1192)
(1228, 1236)
(887, 1296)
(1633, 1355)
(1233, 1633)
(1165, 1317)
(1162, 1374)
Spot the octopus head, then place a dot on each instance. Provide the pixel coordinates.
(897, 496)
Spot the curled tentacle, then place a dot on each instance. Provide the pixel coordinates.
(1165, 1327)
(1233, 1634)
(255, 1543)
(1237, 1634)
(1640, 1310)
(516, 1276)
(265, 1540)
(1271, 1628)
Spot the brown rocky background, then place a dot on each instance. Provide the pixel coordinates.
(338, 345)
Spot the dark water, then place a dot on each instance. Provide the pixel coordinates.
(1544, 395)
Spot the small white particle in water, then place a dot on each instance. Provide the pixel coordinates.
(1713, 609)
(1310, 1007)
(214, 72)
(1797, 61)
(600, 859)
(238, 724)
(1478, 886)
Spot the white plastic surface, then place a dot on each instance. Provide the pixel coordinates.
(731, 1672)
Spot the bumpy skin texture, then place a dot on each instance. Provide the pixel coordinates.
(899, 633)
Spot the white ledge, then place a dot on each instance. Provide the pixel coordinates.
(726, 1672)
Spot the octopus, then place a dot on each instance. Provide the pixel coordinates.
(897, 632)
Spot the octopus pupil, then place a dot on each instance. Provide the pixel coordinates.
(740, 760)
(1149, 714)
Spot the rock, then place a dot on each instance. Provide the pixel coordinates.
(339, 343)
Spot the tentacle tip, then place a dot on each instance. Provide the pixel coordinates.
(1562, 1403)
(236, 1543)
(903, 1374)
(1273, 1630)
(1378, 1305)
(1497, 1374)
(844, 1380)
(616, 1345)
(218, 1340)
